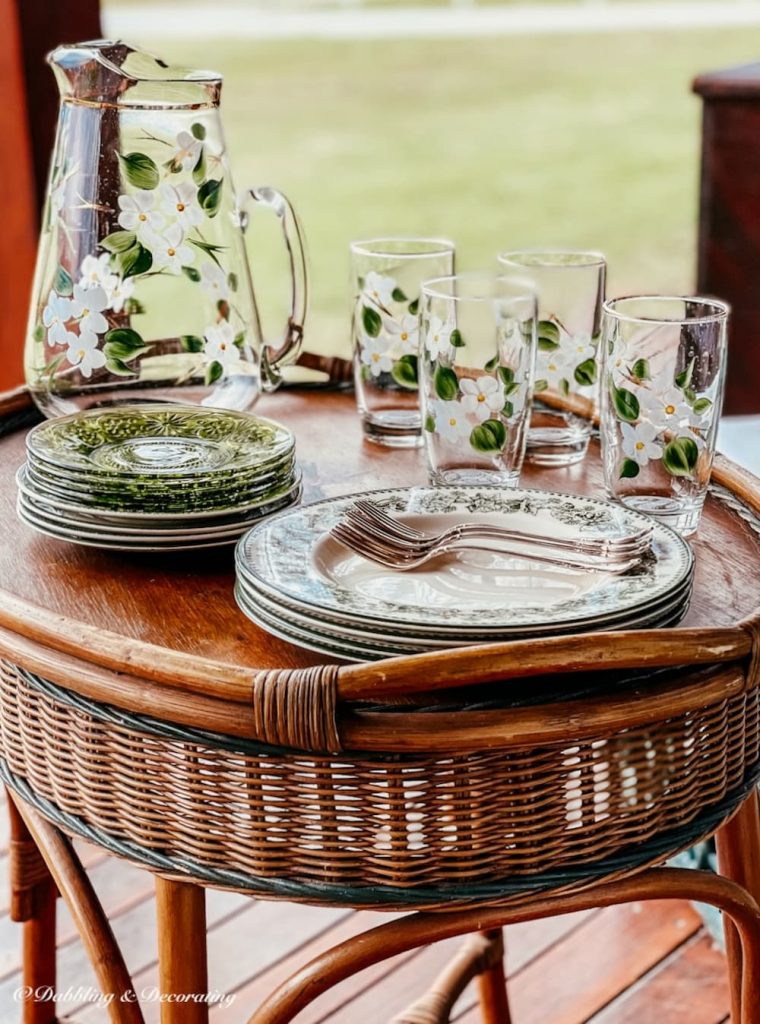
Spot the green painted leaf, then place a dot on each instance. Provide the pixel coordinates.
(210, 195)
(198, 130)
(173, 166)
(223, 308)
(133, 306)
(134, 261)
(548, 335)
(191, 343)
(404, 372)
(701, 405)
(122, 351)
(629, 468)
(62, 282)
(509, 389)
(456, 340)
(540, 385)
(232, 281)
(683, 379)
(445, 383)
(507, 374)
(564, 387)
(489, 437)
(119, 368)
(54, 363)
(430, 423)
(491, 364)
(398, 295)
(191, 273)
(119, 241)
(139, 170)
(199, 171)
(126, 337)
(585, 372)
(690, 395)
(640, 369)
(508, 409)
(626, 404)
(214, 371)
(371, 321)
(414, 306)
(680, 456)
(38, 333)
(239, 340)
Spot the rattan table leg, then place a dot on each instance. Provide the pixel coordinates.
(492, 983)
(738, 845)
(182, 961)
(33, 902)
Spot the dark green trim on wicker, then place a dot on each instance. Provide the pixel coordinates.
(635, 856)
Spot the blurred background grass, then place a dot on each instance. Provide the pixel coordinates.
(580, 140)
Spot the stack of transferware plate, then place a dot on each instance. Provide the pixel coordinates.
(155, 477)
(299, 583)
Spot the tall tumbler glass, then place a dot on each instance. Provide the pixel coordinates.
(664, 362)
(477, 350)
(570, 289)
(386, 275)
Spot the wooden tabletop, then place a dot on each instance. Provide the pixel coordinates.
(184, 602)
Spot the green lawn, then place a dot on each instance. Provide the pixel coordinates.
(568, 140)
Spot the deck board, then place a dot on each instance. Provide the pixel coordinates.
(620, 965)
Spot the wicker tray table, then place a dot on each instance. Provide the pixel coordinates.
(140, 709)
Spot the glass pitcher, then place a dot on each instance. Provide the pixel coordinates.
(143, 289)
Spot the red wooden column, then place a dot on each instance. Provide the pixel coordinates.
(729, 219)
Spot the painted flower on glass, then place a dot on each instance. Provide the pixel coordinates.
(579, 348)
(664, 404)
(404, 331)
(220, 345)
(552, 367)
(84, 353)
(438, 338)
(379, 288)
(639, 442)
(481, 397)
(170, 251)
(88, 305)
(214, 281)
(375, 356)
(181, 201)
(138, 213)
(118, 290)
(95, 270)
(450, 420)
(188, 151)
(54, 316)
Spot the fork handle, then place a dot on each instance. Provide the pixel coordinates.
(486, 532)
(534, 556)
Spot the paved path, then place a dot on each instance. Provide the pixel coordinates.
(249, 21)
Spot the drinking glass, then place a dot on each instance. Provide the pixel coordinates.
(386, 276)
(477, 350)
(663, 366)
(570, 290)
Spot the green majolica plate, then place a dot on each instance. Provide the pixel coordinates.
(164, 441)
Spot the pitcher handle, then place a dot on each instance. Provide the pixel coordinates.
(273, 359)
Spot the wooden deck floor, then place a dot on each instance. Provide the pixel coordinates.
(640, 964)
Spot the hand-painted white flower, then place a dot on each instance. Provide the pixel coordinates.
(451, 421)
(438, 338)
(553, 367)
(188, 151)
(666, 406)
(118, 291)
(579, 348)
(83, 352)
(639, 442)
(55, 315)
(214, 281)
(138, 213)
(181, 201)
(95, 270)
(405, 332)
(374, 354)
(169, 250)
(220, 345)
(379, 288)
(482, 396)
(88, 305)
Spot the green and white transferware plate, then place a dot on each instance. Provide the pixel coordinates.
(158, 442)
(292, 559)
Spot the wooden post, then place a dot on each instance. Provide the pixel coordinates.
(181, 910)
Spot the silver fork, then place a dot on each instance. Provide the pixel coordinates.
(378, 523)
(396, 554)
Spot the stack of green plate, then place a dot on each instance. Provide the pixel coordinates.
(155, 477)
